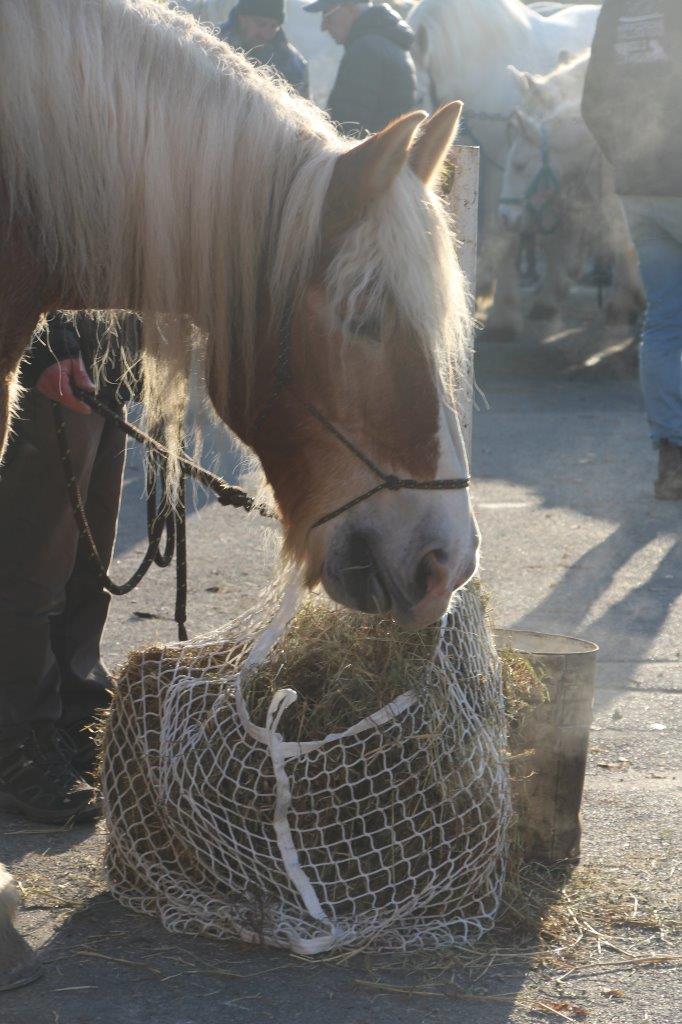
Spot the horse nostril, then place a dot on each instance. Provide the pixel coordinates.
(433, 574)
(360, 577)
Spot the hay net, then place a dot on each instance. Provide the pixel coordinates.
(390, 834)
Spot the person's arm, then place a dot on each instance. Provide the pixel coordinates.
(54, 363)
(56, 383)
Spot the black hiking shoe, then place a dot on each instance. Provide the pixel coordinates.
(81, 746)
(38, 781)
(668, 486)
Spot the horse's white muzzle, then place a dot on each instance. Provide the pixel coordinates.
(511, 215)
(402, 554)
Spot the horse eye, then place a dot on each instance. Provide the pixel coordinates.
(369, 328)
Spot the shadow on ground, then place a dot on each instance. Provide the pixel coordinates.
(99, 947)
(567, 396)
(131, 969)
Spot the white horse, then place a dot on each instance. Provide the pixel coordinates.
(18, 963)
(542, 94)
(561, 249)
(556, 161)
(463, 49)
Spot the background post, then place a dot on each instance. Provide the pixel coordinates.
(463, 200)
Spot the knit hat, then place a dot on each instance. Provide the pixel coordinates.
(262, 9)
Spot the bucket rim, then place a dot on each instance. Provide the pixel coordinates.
(548, 641)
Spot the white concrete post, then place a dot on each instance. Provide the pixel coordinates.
(464, 209)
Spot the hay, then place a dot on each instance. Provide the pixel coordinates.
(573, 922)
(344, 666)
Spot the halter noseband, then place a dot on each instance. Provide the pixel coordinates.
(389, 482)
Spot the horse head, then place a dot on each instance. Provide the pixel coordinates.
(545, 158)
(351, 394)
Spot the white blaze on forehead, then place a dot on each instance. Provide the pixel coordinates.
(452, 456)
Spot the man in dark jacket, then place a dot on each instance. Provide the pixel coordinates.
(376, 80)
(53, 607)
(632, 104)
(255, 26)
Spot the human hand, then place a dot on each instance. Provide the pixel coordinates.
(56, 382)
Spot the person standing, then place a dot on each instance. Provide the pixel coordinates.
(632, 104)
(255, 26)
(376, 81)
(53, 607)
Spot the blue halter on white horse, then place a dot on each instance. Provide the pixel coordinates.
(463, 49)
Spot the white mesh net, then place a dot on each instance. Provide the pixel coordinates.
(390, 835)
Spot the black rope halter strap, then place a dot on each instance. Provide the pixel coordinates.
(388, 481)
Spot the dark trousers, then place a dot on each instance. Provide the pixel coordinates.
(52, 605)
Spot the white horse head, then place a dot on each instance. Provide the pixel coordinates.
(546, 158)
(542, 94)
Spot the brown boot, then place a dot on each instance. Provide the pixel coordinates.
(668, 486)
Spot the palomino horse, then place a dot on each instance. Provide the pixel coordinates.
(462, 50)
(144, 165)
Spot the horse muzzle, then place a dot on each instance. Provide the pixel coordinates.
(415, 589)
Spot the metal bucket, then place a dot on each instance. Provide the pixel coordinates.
(557, 735)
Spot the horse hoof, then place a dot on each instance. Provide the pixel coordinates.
(19, 965)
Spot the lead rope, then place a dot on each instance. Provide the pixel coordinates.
(172, 521)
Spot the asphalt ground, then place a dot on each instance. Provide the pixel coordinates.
(573, 542)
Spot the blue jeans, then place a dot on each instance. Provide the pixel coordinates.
(656, 227)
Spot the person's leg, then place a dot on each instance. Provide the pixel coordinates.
(38, 541)
(656, 226)
(77, 631)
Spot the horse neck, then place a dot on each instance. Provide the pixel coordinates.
(502, 32)
(498, 31)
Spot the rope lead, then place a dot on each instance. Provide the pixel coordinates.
(162, 519)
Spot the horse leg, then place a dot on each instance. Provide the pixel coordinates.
(505, 319)
(15, 335)
(554, 285)
(18, 963)
(24, 289)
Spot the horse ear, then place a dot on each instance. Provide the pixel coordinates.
(428, 153)
(364, 173)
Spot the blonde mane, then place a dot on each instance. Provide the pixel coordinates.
(165, 174)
